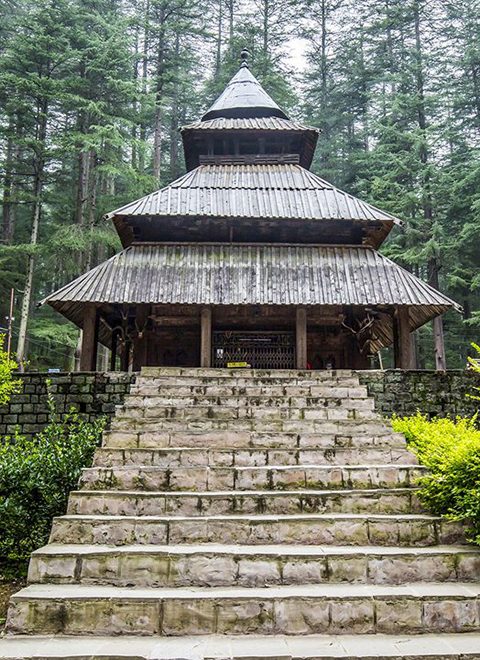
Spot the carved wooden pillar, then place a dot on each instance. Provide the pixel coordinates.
(206, 337)
(402, 340)
(88, 357)
(125, 355)
(301, 338)
(113, 354)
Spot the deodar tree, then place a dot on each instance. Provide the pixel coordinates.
(92, 93)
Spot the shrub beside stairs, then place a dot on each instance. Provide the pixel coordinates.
(249, 514)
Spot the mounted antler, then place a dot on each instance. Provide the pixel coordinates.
(363, 331)
(363, 325)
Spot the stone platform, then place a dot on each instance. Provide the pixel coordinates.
(249, 514)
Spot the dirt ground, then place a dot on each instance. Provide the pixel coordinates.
(7, 588)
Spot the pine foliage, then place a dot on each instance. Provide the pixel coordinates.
(92, 93)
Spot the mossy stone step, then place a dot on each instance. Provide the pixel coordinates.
(154, 478)
(187, 503)
(291, 610)
(258, 529)
(248, 566)
(174, 457)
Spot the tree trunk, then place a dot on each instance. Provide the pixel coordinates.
(39, 167)
(231, 17)
(82, 186)
(323, 52)
(174, 153)
(266, 16)
(92, 206)
(390, 54)
(8, 205)
(144, 91)
(433, 265)
(134, 155)
(159, 75)
(218, 47)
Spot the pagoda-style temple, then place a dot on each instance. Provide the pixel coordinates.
(249, 258)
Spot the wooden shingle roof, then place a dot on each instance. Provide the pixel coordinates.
(244, 97)
(220, 274)
(263, 191)
(249, 124)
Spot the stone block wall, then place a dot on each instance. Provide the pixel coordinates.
(90, 393)
(435, 393)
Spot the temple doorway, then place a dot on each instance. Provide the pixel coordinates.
(258, 349)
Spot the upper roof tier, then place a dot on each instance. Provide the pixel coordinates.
(248, 181)
(245, 122)
(244, 97)
(255, 202)
(233, 139)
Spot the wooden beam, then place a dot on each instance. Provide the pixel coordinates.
(113, 354)
(125, 356)
(439, 343)
(206, 337)
(403, 344)
(88, 356)
(301, 337)
(140, 343)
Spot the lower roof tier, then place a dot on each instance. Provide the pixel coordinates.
(234, 274)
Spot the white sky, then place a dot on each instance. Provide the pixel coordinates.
(296, 54)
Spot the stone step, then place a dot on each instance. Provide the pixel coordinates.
(253, 378)
(374, 426)
(264, 413)
(206, 440)
(285, 610)
(223, 375)
(250, 566)
(260, 529)
(191, 457)
(283, 389)
(154, 478)
(456, 646)
(158, 503)
(247, 401)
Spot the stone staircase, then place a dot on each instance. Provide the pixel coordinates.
(249, 514)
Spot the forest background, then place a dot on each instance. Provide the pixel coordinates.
(92, 93)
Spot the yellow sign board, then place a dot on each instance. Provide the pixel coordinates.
(237, 365)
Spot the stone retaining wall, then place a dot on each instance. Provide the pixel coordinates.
(91, 394)
(435, 393)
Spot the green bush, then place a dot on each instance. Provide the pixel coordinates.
(36, 476)
(450, 448)
(474, 365)
(8, 385)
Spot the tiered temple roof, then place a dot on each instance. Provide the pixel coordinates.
(249, 224)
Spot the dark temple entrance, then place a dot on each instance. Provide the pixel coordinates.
(261, 350)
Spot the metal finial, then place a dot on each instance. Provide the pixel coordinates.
(244, 55)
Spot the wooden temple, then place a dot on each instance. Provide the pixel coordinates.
(248, 258)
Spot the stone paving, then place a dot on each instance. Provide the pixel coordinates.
(249, 514)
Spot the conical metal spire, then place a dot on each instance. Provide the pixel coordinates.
(244, 97)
